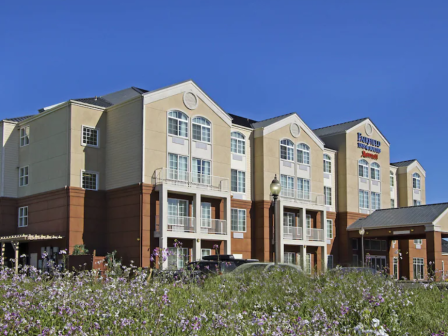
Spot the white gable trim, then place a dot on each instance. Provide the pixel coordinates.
(413, 165)
(440, 216)
(374, 127)
(262, 131)
(153, 96)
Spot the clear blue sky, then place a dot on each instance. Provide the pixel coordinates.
(329, 61)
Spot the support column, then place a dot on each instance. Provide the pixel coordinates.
(303, 224)
(303, 257)
(228, 214)
(434, 253)
(163, 223)
(15, 246)
(197, 212)
(279, 245)
(163, 245)
(2, 260)
(323, 250)
(197, 250)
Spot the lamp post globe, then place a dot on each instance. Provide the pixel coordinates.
(275, 187)
(362, 231)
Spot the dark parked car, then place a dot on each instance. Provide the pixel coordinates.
(218, 264)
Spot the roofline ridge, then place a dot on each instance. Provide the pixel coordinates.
(409, 206)
(404, 161)
(346, 122)
(281, 115)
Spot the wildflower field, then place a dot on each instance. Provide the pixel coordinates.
(134, 302)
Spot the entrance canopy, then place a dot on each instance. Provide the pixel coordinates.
(408, 221)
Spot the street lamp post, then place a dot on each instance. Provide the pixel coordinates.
(362, 232)
(275, 191)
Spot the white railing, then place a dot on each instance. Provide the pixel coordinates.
(293, 232)
(181, 224)
(213, 226)
(303, 196)
(315, 234)
(190, 179)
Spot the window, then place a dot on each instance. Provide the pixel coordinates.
(201, 129)
(329, 261)
(303, 188)
(177, 212)
(178, 258)
(363, 199)
(178, 167)
(23, 216)
(395, 268)
(329, 229)
(363, 168)
(287, 183)
(392, 203)
(303, 153)
(308, 221)
(239, 220)
(206, 215)
(23, 176)
(383, 245)
(205, 252)
(416, 181)
(90, 136)
(308, 263)
(237, 143)
(178, 123)
(418, 268)
(355, 261)
(375, 171)
(327, 194)
(89, 180)
(418, 241)
(354, 244)
(238, 181)
(376, 200)
(287, 150)
(289, 219)
(24, 136)
(290, 258)
(392, 180)
(417, 203)
(327, 163)
(201, 171)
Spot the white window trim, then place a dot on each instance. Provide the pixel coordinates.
(238, 139)
(419, 181)
(26, 128)
(237, 182)
(97, 178)
(332, 229)
(305, 150)
(206, 249)
(418, 241)
(331, 195)
(287, 146)
(20, 170)
(187, 121)
(329, 161)
(373, 166)
(363, 165)
(194, 123)
(27, 216)
(245, 219)
(97, 140)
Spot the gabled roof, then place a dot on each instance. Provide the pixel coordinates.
(242, 121)
(18, 119)
(270, 121)
(338, 128)
(98, 101)
(403, 163)
(399, 217)
(118, 97)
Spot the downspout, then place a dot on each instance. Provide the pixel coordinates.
(143, 180)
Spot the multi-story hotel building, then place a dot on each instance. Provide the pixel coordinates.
(134, 170)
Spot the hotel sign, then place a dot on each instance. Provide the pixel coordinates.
(369, 145)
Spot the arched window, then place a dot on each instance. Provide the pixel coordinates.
(363, 168)
(327, 163)
(237, 143)
(287, 150)
(375, 171)
(201, 129)
(416, 181)
(303, 153)
(178, 123)
(392, 179)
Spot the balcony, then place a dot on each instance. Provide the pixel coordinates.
(293, 232)
(302, 196)
(191, 180)
(296, 233)
(189, 225)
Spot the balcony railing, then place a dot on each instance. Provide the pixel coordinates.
(315, 234)
(214, 226)
(191, 179)
(293, 232)
(303, 196)
(189, 225)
